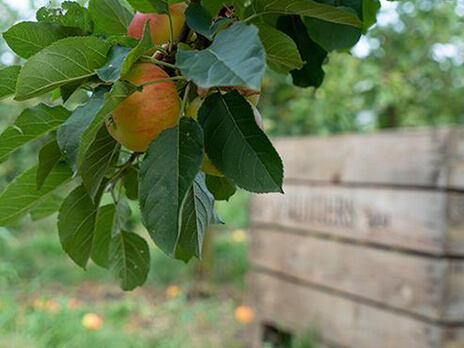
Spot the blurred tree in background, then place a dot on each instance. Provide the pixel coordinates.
(407, 72)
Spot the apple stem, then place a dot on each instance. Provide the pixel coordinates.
(161, 49)
(254, 16)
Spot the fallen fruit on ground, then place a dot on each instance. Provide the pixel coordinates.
(173, 291)
(159, 24)
(141, 118)
(244, 315)
(92, 321)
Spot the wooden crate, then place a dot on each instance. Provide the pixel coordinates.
(367, 245)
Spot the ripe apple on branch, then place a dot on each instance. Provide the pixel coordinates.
(170, 117)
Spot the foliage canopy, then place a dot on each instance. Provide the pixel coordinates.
(220, 57)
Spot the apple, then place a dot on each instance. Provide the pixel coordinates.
(159, 24)
(192, 111)
(140, 118)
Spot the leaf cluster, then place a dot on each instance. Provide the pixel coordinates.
(220, 58)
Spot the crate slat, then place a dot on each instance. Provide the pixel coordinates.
(424, 157)
(367, 244)
(348, 323)
(430, 287)
(418, 220)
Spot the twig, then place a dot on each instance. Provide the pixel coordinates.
(175, 78)
(160, 62)
(115, 178)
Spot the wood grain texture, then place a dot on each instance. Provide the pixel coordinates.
(425, 221)
(351, 324)
(429, 287)
(419, 157)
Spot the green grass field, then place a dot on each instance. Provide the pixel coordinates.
(44, 296)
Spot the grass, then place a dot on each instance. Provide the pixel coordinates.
(128, 321)
(44, 296)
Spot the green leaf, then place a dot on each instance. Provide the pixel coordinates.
(222, 188)
(120, 91)
(221, 24)
(62, 62)
(29, 38)
(236, 58)
(49, 156)
(122, 58)
(213, 6)
(71, 14)
(76, 225)
(56, 93)
(131, 183)
(308, 8)
(103, 233)
(331, 36)
(237, 146)
(369, 11)
(168, 170)
(281, 51)
(122, 217)
(110, 17)
(70, 133)
(31, 124)
(69, 89)
(8, 78)
(122, 40)
(150, 6)
(97, 160)
(21, 194)
(46, 207)
(197, 214)
(129, 259)
(111, 71)
(199, 20)
(312, 74)
(142, 47)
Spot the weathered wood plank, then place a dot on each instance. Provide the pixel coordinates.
(349, 323)
(411, 283)
(424, 157)
(453, 299)
(420, 220)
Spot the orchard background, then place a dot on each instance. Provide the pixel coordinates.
(407, 71)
